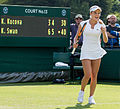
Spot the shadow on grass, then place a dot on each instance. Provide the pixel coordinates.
(78, 106)
(25, 84)
(31, 84)
(109, 82)
(104, 82)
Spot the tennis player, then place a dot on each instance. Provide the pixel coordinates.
(91, 51)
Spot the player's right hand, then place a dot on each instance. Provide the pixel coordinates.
(75, 45)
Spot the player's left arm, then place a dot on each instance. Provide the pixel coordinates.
(105, 37)
(103, 30)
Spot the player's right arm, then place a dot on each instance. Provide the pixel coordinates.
(76, 37)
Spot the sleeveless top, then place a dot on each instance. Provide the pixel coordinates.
(91, 48)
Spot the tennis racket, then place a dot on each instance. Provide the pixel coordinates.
(79, 36)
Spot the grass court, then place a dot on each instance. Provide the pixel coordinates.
(45, 95)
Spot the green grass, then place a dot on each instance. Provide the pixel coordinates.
(44, 95)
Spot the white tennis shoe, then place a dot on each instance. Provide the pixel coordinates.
(81, 96)
(91, 100)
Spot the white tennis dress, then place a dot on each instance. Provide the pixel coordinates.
(91, 48)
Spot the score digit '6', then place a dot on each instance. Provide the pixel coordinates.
(51, 31)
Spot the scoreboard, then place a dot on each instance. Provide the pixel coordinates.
(34, 25)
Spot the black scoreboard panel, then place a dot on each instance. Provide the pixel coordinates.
(33, 26)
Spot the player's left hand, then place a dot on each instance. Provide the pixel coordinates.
(100, 21)
(103, 29)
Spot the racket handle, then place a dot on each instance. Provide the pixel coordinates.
(73, 51)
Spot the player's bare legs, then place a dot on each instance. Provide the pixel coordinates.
(87, 71)
(95, 68)
(91, 68)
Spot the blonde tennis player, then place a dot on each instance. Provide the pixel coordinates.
(91, 51)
